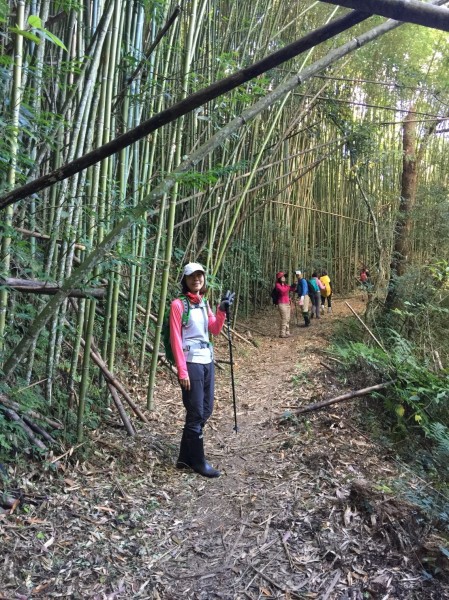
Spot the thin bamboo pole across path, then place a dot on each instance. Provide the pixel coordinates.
(320, 211)
(32, 286)
(348, 396)
(185, 106)
(408, 11)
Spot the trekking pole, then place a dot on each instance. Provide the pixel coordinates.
(231, 360)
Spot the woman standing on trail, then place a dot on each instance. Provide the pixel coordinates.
(283, 299)
(191, 320)
(327, 292)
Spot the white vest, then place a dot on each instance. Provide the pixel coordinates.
(195, 335)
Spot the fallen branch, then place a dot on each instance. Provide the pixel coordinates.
(69, 452)
(365, 326)
(43, 236)
(241, 337)
(225, 335)
(112, 379)
(340, 362)
(247, 328)
(328, 368)
(31, 286)
(37, 429)
(348, 396)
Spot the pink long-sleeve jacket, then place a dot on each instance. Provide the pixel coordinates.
(215, 324)
(284, 292)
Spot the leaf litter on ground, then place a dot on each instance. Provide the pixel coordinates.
(305, 508)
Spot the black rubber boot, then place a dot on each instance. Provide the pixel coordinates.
(196, 458)
(306, 319)
(183, 461)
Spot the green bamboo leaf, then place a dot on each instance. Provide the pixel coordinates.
(54, 39)
(35, 22)
(26, 34)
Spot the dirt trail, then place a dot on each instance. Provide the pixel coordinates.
(304, 509)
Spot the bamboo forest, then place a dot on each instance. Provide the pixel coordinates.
(224, 299)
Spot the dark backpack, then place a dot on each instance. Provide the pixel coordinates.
(275, 296)
(166, 328)
(310, 289)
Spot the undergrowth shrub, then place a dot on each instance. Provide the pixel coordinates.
(421, 310)
(13, 439)
(11, 436)
(418, 403)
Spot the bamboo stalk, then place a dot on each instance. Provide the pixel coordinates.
(111, 378)
(409, 11)
(32, 413)
(124, 417)
(15, 104)
(365, 326)
(43, 236)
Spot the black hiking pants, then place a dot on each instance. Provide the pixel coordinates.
(329, 301)
(199, 400)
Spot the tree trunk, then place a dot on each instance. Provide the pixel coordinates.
(401, 248)
(401, 254)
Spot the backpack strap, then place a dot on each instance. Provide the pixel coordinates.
(186, 310)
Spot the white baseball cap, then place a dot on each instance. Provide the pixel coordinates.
(298, 272)
(192, 268)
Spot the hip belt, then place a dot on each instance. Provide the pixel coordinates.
(197, 345)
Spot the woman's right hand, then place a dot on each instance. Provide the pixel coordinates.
(185, 384)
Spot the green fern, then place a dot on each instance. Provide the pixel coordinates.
(440, 434)
(420, 397)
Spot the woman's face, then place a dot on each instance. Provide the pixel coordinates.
(283, 279)
(195, 281)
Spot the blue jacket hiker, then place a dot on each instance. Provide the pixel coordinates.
(302, 289)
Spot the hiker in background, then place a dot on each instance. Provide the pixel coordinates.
(302, 289)
(193, 355)
(317, 285)
(327, 292)
(364, 277)
(283, 301)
